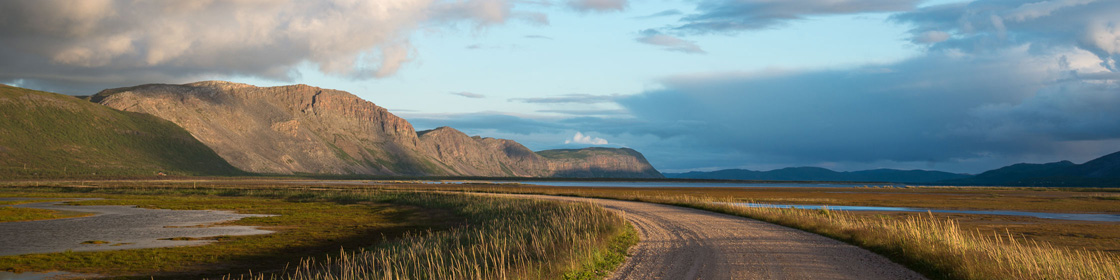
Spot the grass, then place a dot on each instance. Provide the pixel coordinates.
(936, 247)
(49, 135)
(14, 214)
(387, 234)
(515, 239)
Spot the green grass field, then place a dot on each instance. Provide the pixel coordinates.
(49, 135)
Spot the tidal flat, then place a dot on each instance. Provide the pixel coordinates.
(117, 228)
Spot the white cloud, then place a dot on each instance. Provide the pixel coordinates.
(579, 138)
(99, 43)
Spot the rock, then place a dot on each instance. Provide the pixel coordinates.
(304, 129)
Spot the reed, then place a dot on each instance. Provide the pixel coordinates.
(506, 238)
(935, 247)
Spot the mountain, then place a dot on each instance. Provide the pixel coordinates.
(599, 163)
(303, 129)
(463, 154)
(1102, 171)
(822, 174)
(45, 134)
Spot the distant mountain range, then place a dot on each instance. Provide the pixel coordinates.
(822, 174)
(1103, 171)
(222, 128)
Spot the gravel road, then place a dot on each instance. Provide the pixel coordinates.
(685, 243)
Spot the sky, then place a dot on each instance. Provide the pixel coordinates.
(959, 86)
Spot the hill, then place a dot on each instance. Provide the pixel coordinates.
(45, 134)
(1102, 171)
(823, 174)
(303, 129)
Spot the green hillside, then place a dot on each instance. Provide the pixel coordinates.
(49, 135)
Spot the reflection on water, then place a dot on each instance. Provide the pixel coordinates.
(690, 184)
(1056, 216)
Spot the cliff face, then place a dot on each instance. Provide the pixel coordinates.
(477, 156)
(599, 163)
(305, 129)
(284, 130)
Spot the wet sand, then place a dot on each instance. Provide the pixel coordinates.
(120, 227)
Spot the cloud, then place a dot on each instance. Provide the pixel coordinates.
(538, 37)
(587, 112)
(478, 122)
(665, 13)
(570, 98)
(579, 138)
(601, 6)
(730, 16)
(669, 43)
(85, 46)
(1046, 26)
(468, 94)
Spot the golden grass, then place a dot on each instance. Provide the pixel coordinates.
(935, 247)
(519, 239)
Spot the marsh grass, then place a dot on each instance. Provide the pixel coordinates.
(935, 247)
(507, 238)
(15, 214)
(386, 234)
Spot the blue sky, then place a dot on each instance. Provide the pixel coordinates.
(961, 86)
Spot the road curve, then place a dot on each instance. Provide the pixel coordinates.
(685, 243)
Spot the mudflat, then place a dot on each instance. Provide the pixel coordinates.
(685, 243)
(116, 228)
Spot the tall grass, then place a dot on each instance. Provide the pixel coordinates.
(935, 247)
(505, 238)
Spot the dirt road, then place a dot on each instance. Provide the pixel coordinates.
(685, 243)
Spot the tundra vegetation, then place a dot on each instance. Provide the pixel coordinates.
(935, 245)
(383, 234)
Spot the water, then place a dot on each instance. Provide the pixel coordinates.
(689, 184)
(1056, 216)
(122, 227)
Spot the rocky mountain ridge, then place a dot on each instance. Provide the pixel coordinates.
(303, 129)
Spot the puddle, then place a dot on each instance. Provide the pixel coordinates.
(1056, 216)
(116, 228)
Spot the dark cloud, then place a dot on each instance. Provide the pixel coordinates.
(84, 46)
(570, 98)
(722, 16)
(669, 43)
(598, 5)
(963, 111)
